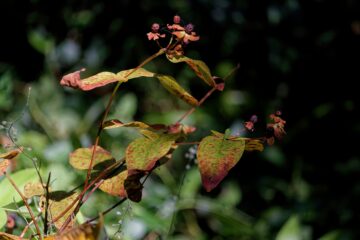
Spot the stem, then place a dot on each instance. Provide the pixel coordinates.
(107, 210)
(26, 204)
(160, 52)
(187, 143)
(47, 195)
(101, 175)
(208, 94)
(97, 139)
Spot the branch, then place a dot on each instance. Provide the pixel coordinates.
(26, 204)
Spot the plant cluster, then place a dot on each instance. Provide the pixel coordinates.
(216, 154)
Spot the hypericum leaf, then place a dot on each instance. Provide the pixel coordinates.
(101, 79)
(81, 157)
(142, 153)
(4, 165)
(174, 88)
(116, 123)
(11, 154)
(216, 156)
(115, 185)
(198, 66)
(33, 189)
(140, 72)
(8, 194)
(58, 201)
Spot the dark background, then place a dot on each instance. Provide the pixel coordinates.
(301, 57)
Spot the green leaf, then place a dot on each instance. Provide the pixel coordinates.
(142, 153)
(198, 66)
(8, 193)
(81, 157)
(174, 88)
(290, 230)
(3, 218)
(216, 156)
(115, 185)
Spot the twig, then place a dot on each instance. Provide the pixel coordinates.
(107, 210)
(47, 195)
(26, 204)
(101, 175)
(208, 94)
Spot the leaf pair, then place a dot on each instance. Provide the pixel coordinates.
(104, 78)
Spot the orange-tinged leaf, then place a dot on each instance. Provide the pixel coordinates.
(199, 67)
(116, 124)
(11, 154)
(216, 156)
(142, 153)
(115, 185)
(33, 189)
(81, 157)
(101, 79)
(174, 88)
(4, 165)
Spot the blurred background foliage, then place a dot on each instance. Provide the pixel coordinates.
(300, 57)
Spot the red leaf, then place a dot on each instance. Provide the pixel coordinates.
(72, 79)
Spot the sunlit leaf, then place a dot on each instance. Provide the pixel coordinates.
(290, 230)
(58, 202)
(216, 156)
(3, 219)
(4, 165)
(140, 72)
(81, 157)
(198, 66)
(8, 194)
(142, 153)
(116, 124)
(101, 79)
(11, 154)
(170, 84)
(115, 185)
(33, 189)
